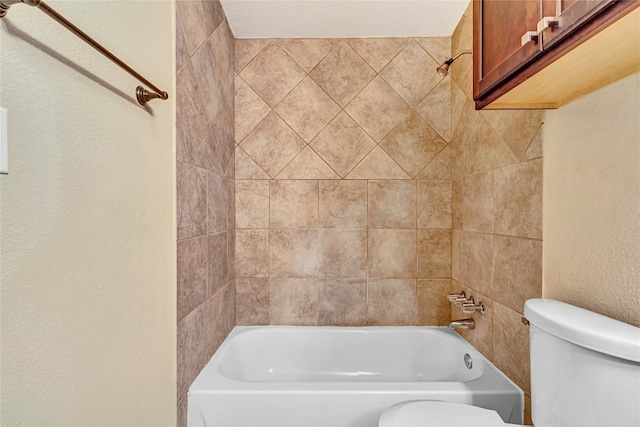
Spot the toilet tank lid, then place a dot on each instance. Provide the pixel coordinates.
(584, 328)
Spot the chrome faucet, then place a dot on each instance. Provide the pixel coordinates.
(463, 324)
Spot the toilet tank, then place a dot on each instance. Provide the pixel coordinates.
(585, 367)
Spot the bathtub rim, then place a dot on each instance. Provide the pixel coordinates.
(211, 381)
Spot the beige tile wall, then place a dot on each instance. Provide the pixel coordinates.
(343, 185)
(205, 187)
(496, 167)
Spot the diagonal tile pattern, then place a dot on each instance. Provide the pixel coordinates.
(342, 73)
(413, 144)
(378, 108)
(342, 144)
(307, 109)
(374, 163)
(411, 74)
(331, 136)
(272, 144)
(272, 87)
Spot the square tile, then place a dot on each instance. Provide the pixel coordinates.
(307, 52)
(392, 302)
(392, 253)
(294, 204)
(342, 204)
(191, 348)
(220, 318)
(517, 128)
(307, 109)
(217, 202)
(511, 346)
(434, 204)
(378, 109)
(250, 109)
(252, 203)
(435, 109)
(477, 261)
(246, 50)
(434, 253)
(477, 205)
(252, 301)
(272, 144)
(517, 271)
(196, 23)
(377, 165)
(413, 144)
(342, 302)
(294, 253)
(342, 73)
(246, 167)
(192, 274)
(272, 74)
(412, 73)
(439, 48)
(377, 52)
(457, 203)
(294, 301)
(217, 262)
(343, 253)
(342, 144)
(192, 122)
(252, 253)
(434, 308)
(518, 200)
(392, 204)
(307, 165)
(191, 189)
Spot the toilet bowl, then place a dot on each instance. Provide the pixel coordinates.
(585, 371)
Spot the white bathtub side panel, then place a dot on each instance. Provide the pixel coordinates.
(298, 410)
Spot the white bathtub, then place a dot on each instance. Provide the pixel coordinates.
(333, 376)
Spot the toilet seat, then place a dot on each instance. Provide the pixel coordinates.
(432, 413)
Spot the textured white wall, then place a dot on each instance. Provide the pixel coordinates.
(592, 201)
(88, 219)
(343, 18)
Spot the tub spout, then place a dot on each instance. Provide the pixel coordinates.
(463, 324)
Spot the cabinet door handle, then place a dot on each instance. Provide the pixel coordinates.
(529, 36)
(548, 22)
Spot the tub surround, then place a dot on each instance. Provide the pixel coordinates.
(385, 185)
(205, 188)
(496, 167)
(343, 187)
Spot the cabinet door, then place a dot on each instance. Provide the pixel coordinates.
(562, 17)
(501, 43)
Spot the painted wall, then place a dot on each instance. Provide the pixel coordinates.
(343, 187)
(592, 201)
(88, 219)
(496, 168)
(205, 187)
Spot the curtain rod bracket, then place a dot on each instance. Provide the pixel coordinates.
(145, 96)
(6, 4)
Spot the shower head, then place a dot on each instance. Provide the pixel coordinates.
(443, 69)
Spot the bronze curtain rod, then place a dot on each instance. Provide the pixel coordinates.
(142, 94)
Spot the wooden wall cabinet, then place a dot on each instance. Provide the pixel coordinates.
(544, 53)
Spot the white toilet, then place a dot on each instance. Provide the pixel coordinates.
(585, 371)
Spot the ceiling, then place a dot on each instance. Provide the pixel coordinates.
(342, 18)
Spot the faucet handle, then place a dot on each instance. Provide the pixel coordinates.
(455, 297)
(472, 308)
